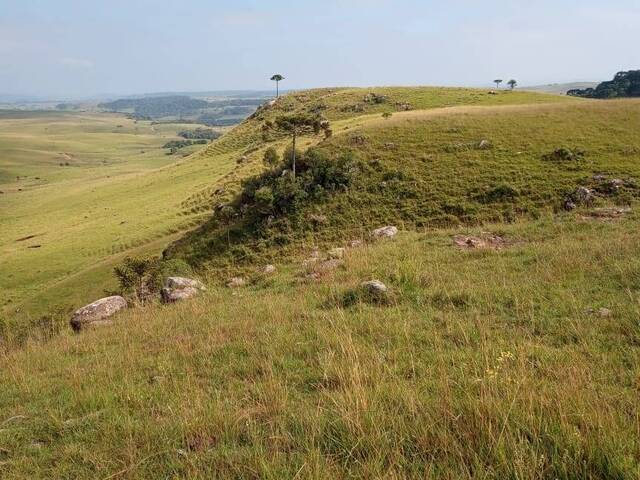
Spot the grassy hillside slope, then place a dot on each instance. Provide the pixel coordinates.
(489, 364)
(519, 361)
(79, 192)
(120, 195)
(442, 167)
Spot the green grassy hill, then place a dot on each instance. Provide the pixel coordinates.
(518, 360)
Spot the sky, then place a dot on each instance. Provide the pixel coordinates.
(79, 48)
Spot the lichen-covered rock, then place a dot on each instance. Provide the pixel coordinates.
(269, 269)
(98, 312)
(181, 282)
(236, 282)
(171, 295)
(385, 232)
(336, 253)
(374, 287)
(180, 288)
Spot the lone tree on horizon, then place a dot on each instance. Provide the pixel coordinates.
(300, 124)
(498, 81)
(277, 78)
(512, 83)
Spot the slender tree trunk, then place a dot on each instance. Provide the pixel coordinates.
(277, 89)
(294, 155)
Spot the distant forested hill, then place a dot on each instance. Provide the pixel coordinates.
(228, 111)
(156, 107)
(624, 84)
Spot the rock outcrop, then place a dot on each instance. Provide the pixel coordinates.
(97, 313)
(180, 288)
(385, 232)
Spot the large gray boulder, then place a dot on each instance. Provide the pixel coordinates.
(97, 313)
(385, 232)
(180, 288)
(178, 283)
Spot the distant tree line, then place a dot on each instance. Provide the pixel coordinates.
(199, 134)
(624, 84)
(149, 108)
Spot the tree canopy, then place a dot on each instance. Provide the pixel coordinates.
(624, 84)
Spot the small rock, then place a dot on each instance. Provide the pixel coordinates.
(583, 195)
(318, 219)
(375, 287)
(484, 145)
(236, 282)
(269, 269)
(336, 253)
(329, 265)
(98, 312)
(615, 184)
(355, 243)
(385, 232)
(601, 312)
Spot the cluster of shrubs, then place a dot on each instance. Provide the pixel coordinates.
(277, 191)
(175, 145)
(199, 134)
(140, 279)
(564, 154)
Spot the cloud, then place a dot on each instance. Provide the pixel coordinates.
(76, 62)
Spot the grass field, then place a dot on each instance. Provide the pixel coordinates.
(488, 365)
(520, 362)
(79, 191)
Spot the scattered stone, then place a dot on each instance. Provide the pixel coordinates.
(486, 240)
(329, 265)
(404, 107)
(375, 287)
(484, 145)
(580, 196)
(269, 269)
(355, 243)
(97, 313)
(583, 195)
(385, 232)
(390, 146)
(615, 184)
(336, 253)
(601, 312)
(179, 288)
(606, 214)
(236, 282)
(318, 219)
(310, 261)
(358, 140)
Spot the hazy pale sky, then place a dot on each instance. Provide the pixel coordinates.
(85, 47)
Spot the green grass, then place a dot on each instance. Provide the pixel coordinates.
(426, 169)
(487, 366)
(120, 194)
